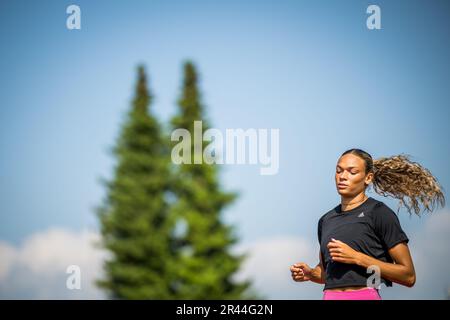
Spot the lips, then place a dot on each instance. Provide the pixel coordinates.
(342, 186)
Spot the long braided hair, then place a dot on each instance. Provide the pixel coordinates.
(403, 179)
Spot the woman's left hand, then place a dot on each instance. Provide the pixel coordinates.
(341, 252)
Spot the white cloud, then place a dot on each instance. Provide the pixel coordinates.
(268, 267)
(7, 256)
(37, 268)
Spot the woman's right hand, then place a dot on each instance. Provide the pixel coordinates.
(301, 272)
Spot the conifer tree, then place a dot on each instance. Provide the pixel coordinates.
(205, 266)
(133, 216)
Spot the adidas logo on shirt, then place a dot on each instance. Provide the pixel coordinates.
(361, 215)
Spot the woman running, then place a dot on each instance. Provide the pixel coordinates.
(361, 241)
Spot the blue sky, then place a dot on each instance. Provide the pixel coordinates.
(309, 68)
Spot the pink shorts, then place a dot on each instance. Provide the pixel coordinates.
(360, 294)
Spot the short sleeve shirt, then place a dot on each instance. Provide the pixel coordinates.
(371, 228)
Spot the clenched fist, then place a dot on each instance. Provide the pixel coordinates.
(301, 272)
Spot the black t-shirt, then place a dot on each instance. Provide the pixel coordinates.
(371, 228)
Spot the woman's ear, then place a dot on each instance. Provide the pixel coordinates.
(369, 178)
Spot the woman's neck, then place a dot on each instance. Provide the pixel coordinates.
(349, 203)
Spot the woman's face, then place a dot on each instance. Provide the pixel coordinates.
(351, 178)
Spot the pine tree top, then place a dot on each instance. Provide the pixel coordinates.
(143, 97)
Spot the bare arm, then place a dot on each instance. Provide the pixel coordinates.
(402, 271)
(302, 272)
(318, 273)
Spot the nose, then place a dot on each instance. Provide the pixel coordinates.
(343, 175)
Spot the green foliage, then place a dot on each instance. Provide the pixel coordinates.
(149, 198)
(133, 217)
(205, 264)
